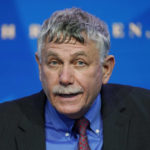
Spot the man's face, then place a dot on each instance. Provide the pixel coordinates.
(71, 76)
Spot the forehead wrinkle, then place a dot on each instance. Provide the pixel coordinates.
(80, 53)
(64, 46)
(76, 54)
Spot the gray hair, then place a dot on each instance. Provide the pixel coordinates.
(74, 23)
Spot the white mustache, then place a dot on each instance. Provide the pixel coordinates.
(60, 89)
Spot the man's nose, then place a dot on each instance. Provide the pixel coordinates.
(66, 75)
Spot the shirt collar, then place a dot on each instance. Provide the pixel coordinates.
(96, 119)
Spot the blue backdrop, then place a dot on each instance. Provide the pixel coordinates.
(20, 20)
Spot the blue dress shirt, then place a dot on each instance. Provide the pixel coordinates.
(59, 133)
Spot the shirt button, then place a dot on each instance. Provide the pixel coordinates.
(97, 131)
(67, 134)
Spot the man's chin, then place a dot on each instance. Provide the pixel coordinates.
(71, 112)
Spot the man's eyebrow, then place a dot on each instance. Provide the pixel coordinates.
(80, 53)
(50, 53)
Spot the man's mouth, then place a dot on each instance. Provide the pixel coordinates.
(68, 95)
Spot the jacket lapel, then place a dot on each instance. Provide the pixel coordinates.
(115, 118)
(30, 136)
(115, 132)
(30, 133)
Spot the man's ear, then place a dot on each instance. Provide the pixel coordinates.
(39, 63)
(108, 66)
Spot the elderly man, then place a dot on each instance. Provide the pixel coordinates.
(76, 110)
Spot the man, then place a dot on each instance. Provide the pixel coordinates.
(76, 108)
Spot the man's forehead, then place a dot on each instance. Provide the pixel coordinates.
(75, 53)
(65, 45)
(53, 52)
(72, 47)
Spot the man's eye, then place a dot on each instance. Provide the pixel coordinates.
(53, 63)
(80, 63)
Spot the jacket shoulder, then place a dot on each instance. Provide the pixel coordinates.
(10, 112)
(19, 115)
(136, 100)
(118, 89)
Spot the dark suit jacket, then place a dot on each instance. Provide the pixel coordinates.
(125, 111)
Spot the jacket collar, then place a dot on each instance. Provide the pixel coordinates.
(116, 116)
